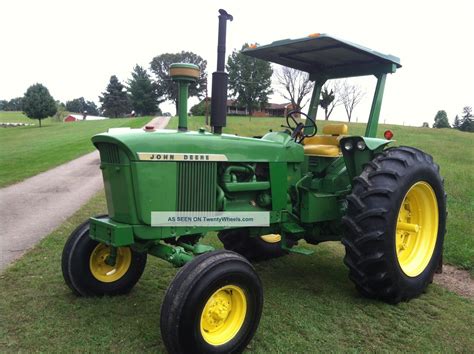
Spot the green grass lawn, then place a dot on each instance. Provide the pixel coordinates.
(310, 306)
(27, 151)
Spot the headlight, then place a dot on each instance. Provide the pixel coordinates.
(348, 146)
(361, 145)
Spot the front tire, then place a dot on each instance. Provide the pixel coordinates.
(86, 272)
(213, 305)
(395, 225)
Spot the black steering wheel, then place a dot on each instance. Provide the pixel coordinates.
(297, 128)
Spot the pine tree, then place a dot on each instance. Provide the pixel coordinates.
(249, 80)
(115, 101)
(38, 103)
(467, 121)
(457, 122)
(143, 95)
(441, 120)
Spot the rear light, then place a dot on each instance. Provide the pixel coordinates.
(361, 145)
(348, 146)
(388, 134)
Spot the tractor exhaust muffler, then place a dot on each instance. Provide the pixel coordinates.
(220, 78)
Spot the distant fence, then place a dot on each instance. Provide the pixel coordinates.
(10, 125)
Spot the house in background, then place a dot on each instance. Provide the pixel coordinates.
(78, 117)
(274, 110)
(271, 109)
(235, 110)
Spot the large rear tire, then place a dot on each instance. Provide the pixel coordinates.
(213, 305)
(395, 225)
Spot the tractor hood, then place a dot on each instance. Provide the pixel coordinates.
(141, 145)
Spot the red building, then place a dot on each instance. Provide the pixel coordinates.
(79, 117)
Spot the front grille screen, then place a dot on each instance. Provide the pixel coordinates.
(109, 153)
(197, 184)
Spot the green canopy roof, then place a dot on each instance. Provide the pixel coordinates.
(326, 57)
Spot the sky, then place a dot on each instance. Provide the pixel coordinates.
(73, 47)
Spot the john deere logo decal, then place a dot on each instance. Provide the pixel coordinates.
(171, 156)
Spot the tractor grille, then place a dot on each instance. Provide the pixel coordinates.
(197, 184)
(109, 153)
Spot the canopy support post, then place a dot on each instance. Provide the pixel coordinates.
(313, 105)
(371, 129)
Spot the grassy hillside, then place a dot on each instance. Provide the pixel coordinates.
(27, 151)
(310, 306)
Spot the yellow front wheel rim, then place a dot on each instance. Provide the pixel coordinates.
(417, 229)
(223, 315)
(105, 272)
(271, 238)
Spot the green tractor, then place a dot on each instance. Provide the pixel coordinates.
(166, 189)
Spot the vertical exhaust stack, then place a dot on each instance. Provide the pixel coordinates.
(220, 79)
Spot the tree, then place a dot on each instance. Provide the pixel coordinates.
(91, 108)
(330, 98)
(457, 122)
(441, 120)
(467, 122)
(425, 125)
(38, 103)
(143, 94)
(3, 105)
(351, 95)
(249, 80)
(61, 112)
(296, 86)
(160, 67)
(76, 105)
(115, 101)
(80, 105)
(200, 108)
(15, 104)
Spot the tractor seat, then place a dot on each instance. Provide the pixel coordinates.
(328, 144)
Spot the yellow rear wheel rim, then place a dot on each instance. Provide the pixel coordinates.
(104, 272)
(417, 229)
(223, 315)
